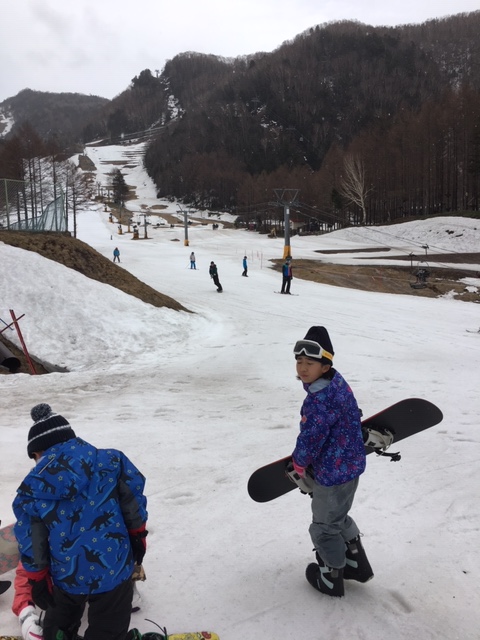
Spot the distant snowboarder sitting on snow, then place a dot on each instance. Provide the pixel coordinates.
(214, 275)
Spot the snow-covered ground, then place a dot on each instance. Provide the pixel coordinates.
(199, 401)
(6, 123)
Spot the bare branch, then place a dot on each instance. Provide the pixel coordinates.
(353, 186)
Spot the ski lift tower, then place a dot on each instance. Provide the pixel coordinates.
(286, 197)
(145, 225)
(185, 224)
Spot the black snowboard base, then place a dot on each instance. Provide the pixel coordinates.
(400, 421)
(4, 585)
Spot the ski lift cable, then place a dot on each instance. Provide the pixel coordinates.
(383, 244)
(250, 209)
(336, 218)
(299, 206)
(418, 243)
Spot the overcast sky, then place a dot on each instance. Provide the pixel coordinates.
(98, 46)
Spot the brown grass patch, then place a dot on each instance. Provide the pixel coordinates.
(386, 279)
(79, 256)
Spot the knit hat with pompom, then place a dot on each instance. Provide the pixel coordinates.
(48, 429)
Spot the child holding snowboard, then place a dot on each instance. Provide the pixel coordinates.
(330, 442)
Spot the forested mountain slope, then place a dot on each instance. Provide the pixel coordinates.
(404, 101)
(369, 124)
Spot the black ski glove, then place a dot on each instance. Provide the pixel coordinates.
(41, 594)
(139, 545)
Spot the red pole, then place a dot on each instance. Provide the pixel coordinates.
(24, 346)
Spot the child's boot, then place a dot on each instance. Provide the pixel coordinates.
(325, 579)
(357, 566)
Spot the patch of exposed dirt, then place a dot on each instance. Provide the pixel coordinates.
(124, 216)
(460, 258)
(386, 279)
(39, 367)
(117, 163)
(86, 164)
(79, 256)
(367, 250)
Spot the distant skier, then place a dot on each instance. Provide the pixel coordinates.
(286, 275)
(214, 275)
(193, 262)
(245, 266)
(116, 255)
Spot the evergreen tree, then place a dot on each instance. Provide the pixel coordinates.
(119, 186)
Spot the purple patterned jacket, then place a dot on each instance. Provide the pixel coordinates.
(330, 438)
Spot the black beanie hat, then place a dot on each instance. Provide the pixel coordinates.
(49, 428)
(320, 335)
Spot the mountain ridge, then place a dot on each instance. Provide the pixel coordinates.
(404, 101)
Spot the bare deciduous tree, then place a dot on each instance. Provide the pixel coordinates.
(353, 186)
(79, 190)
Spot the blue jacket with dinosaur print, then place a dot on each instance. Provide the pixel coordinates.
(74, 511)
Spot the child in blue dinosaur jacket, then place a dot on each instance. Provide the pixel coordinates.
(81, 528)
(330, 443)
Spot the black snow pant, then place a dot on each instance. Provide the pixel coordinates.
(217, 283)
(108, 614)
(286, 284)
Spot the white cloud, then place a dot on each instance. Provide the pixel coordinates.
(93, 47)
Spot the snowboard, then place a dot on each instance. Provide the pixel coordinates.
(397, 422)
(192, 635)
(4, 586)
(9, 555)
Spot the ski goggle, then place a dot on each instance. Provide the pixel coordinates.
(311, 349)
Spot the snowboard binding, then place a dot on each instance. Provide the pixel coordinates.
(379, 440)
(304, 483)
